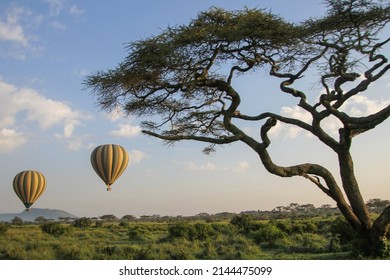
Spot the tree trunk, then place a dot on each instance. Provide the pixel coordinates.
(373, 234)
(351, 188)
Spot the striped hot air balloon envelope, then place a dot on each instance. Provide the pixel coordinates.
(29, 186)
(109, 162)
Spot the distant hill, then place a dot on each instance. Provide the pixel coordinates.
(29, 216)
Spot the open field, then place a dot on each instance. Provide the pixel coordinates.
(240, 238)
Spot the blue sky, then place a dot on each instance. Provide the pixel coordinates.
(49, 123)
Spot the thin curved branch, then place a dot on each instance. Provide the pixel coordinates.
(266, 115)
(173, 138)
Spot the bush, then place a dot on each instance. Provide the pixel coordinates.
(99, 224)
(343, 232)
(73, 252)
(268, 234)
(198, 231)
(3, 228)
(17, 221)
(82, 223)
(123, 224)
(137, 233)
(55, 228)
(201, 231)
(243, 222)
(179, 230)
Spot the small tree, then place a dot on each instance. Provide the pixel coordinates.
(108, 217)
(40, 220)
(128, 218)
(184, 79)
(17, 221)
(377, 205)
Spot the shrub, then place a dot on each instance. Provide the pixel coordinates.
(179, 230)
(310, 242)
(243, 222)
(137, 233)
(73, 252)
(99, 224)
(82, 223)
(201, 231)
(17, 221)
(55, 228)
(123, 224)
(198, 231)
(342, 231)
(268, 234)
(3, 228)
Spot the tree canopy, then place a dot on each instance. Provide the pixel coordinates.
(182, 83)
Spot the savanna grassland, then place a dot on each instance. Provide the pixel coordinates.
(240, 237)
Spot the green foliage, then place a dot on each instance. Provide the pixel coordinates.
(243, 222)
(343, 232)
(54, 228)
(82, 223)
(137, 233)
(17, 221)
(179, 230)
(99, 224)
(197, 231)
(40, 220)
(182, 240)
(3, 228)
(268, 234)
(296, 226)
(201, 231)
(123, 224)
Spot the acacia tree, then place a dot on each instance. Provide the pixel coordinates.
(182, 82)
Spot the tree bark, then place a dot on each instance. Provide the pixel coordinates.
(351, 188)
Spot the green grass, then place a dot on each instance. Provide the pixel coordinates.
(281, 239)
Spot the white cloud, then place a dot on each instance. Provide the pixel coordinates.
(16, 38)
(11, 29)
(362, 106)
(10, 139)
(192, 166)
(242, 166)
(76, 11)
(55, 6)
(126, 130)
(211, 167)
(75, 144)
(136, 156)
(25, 105)
(290, 131)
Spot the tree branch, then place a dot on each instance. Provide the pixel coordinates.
(308, 171)
(173, 138)
(382, 223)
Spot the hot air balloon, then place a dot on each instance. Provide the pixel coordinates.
(109, 161)
(29, 186)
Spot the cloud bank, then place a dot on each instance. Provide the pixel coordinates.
(21, 107)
